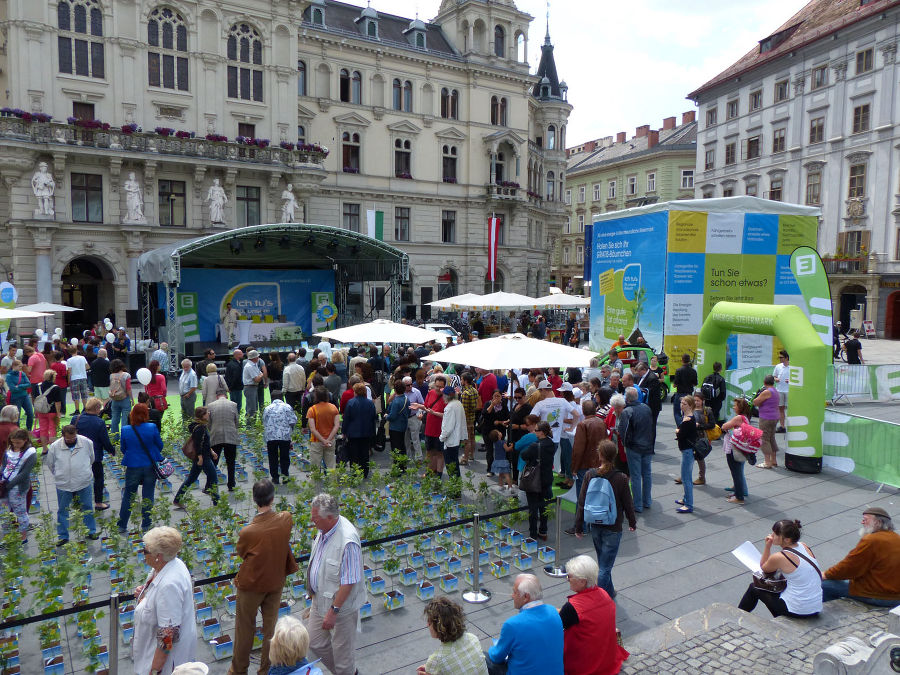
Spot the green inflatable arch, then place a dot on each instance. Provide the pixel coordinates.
(810, 361)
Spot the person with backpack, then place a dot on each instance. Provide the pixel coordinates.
(46, 405)
(603, 503)
(119, 393)
(198, 450)
(713, 389)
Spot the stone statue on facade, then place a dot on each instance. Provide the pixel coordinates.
(134, 200)
(43, 186)
(217, 200)
(288, 204)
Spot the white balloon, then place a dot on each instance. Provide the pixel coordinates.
(39, 332)
(58, 331)
(144, 376)
(110, 338)
(74, 342)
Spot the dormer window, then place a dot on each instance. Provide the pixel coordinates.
(318, 16)
(371, 29)
(368, 22)
(415, 33)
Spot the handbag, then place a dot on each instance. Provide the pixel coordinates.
(530, 476)
(714, 433)
(702, 447)
(769, 582)
(163, 469)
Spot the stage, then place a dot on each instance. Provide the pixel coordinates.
(281, 280)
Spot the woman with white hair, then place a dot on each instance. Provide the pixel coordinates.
(287, 650)
(165, 632)
(590, 644)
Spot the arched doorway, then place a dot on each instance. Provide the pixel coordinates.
(892, 316)
(495, 285)
(448, 283)
(87, 283)
(851, 297)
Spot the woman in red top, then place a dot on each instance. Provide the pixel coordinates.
(590, 644)
(434, 413)
(157, 388)
(58, 366)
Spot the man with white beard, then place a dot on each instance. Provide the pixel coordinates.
(870, 573)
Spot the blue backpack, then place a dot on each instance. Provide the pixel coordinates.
(600, 503)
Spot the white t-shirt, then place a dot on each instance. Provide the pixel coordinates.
(782, 375)
(553, 411)
(576, 415)
(77, 367)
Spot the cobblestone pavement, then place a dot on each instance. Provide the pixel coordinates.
(761, 646)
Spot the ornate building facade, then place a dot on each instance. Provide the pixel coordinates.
(173, 120)
(808, 116)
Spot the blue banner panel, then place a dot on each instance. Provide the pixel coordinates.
(263, 293)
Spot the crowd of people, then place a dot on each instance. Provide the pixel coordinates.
(593, 429)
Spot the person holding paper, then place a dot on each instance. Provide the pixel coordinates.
(802, 598)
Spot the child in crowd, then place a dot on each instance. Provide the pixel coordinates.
(501, 465)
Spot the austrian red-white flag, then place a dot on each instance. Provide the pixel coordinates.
(493, 233)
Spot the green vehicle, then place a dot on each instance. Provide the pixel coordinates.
(628, 356)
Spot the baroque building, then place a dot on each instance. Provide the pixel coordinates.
(124, 124)
(808, 116)
(608, 174)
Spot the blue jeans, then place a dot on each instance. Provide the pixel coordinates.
(119, 413)
(641, 481)
(25, 402)
(687, 476)
(565, 457)
(237, 395)
(832, 589)
(606, 543)
(144, 476)
(737, 476)
(64, 499)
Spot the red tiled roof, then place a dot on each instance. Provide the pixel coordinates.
(816, 20)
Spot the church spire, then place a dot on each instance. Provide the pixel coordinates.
(548, 81)
(547, 35)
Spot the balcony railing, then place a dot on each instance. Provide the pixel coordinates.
(144, 142)
(858, 265)
(506, 192)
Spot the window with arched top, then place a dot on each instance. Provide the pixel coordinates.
(448, 163)
(372, 29)
(407, 96)
(167, 61)
(402, 158)
(80, 39)
(499, 41)
(521, 56)
(499, 167)
(397, 91)
(420, 40)
(449, 103)
(244, 53)
(350, 86)
(350, 146)
(301, 134)
(551, 137)
(318, 17)
(301, 78)
(551, 183)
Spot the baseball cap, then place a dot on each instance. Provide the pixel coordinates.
(566, 386)
(448, 391)
(253, 354)
(876, 511)
(545, 384)
(577, 393)
(195, 668)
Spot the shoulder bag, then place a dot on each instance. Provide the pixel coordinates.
(702, 446)
(530, 476)
(41, 403)
(163, 469)
(775, 582)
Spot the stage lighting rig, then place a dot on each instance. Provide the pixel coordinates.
(284, 242)
(260, 243)
(236, 246)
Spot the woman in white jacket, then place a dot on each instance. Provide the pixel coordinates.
(453, 430)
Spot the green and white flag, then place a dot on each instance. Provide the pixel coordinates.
(375, 222)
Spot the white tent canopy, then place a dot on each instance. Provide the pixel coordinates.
(501, 300)
(514, 351)
(49, 307)
(448, 303)
(382, 330)
(562, 301)
(20, 314)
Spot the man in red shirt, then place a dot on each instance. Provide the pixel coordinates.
(35, 366)
(487, 386)
(433, 409)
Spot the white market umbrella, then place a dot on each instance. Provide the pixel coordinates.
(382, 330)
(562, 301)
(501, 300)
(447, 303)
(49, 307)
(19, 314)
(514, 351)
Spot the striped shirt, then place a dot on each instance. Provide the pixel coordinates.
(351, 561)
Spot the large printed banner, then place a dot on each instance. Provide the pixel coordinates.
(628, 279)
(203, 294)
(862, 446)
(663, 271)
